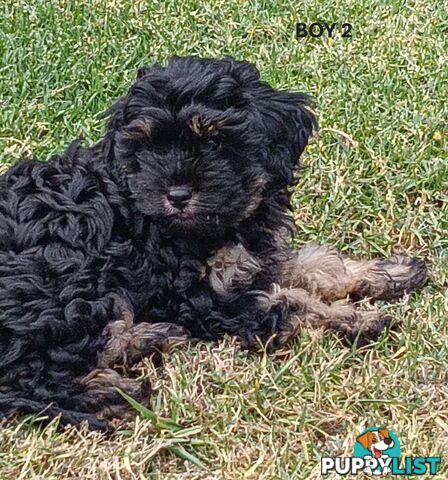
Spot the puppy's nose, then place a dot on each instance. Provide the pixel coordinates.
(179, 196)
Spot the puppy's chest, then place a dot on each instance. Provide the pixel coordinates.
(179, 272)
(174, 268)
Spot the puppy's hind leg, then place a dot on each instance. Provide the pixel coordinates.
(326, 273)
(384, 279)
(318, 269)
(127, 343)
(288, 310)
(75, 379)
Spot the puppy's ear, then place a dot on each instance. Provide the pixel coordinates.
(124, 116)
(153, 69)
(366, 439)
(115, 116)
(302, 120)
(288, 123)
(143, 71)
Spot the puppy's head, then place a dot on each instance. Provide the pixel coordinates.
(202, 142)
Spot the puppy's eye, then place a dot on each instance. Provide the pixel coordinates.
(214, 143)
(132, 166)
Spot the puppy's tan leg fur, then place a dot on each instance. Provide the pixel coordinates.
(102, 386)
(309, 311)
(325, 273)
(128, 343)
(231, 266)
(386, 278)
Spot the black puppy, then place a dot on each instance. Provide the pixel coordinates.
(173, 226)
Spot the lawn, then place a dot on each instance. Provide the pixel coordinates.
(375, 182)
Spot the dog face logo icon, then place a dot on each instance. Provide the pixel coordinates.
(379, 444)
(377, 453)
(377, 441)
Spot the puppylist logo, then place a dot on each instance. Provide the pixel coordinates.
(377, 453)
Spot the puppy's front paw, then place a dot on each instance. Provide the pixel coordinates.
(393, 277)
(367, 327)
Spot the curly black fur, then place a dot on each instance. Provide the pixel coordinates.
(93, 237)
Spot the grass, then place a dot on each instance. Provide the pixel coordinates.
(376, 181)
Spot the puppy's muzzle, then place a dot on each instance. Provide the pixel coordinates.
(179, 196)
